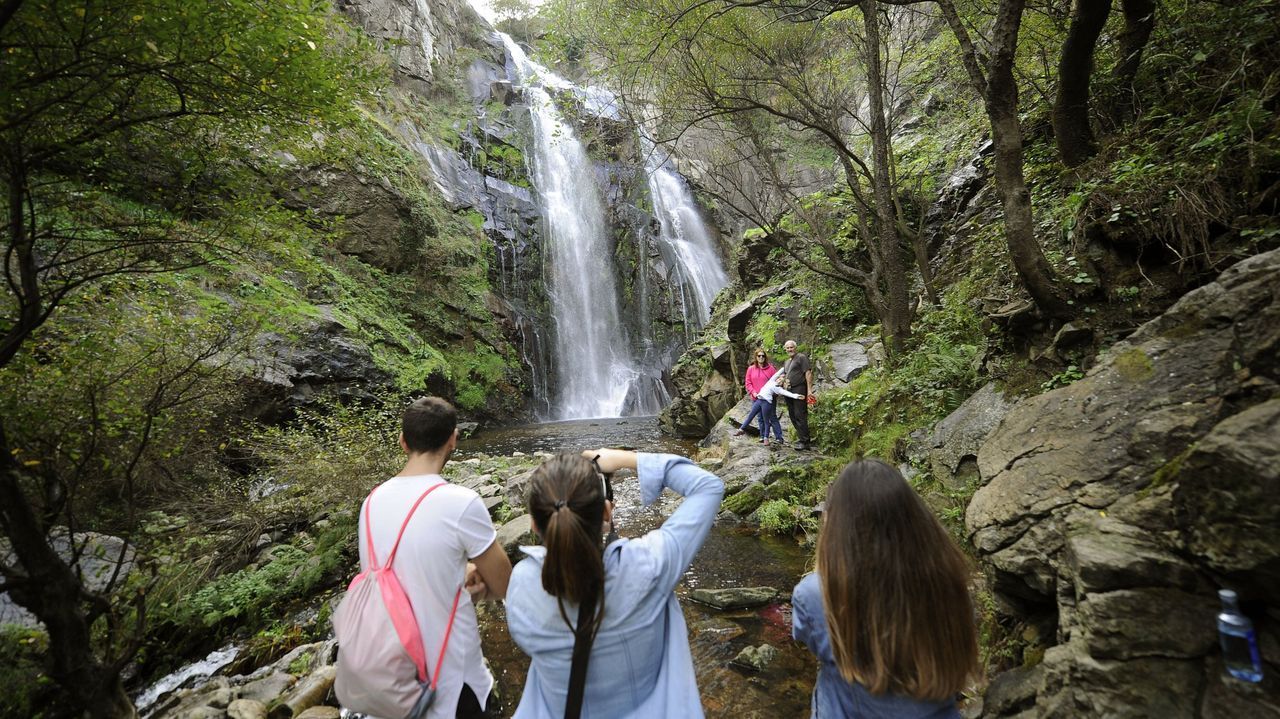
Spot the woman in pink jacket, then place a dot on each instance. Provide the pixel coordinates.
(758, 373)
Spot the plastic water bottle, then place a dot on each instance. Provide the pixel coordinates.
(1239, 643)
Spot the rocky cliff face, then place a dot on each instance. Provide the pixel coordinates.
(417, 34)
(1111, 510)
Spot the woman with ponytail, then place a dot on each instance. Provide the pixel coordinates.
(888, 612)
(597, 615)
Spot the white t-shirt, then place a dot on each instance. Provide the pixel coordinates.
(450, 527)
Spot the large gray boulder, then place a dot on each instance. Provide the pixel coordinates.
(1111, 510)
(951, 450)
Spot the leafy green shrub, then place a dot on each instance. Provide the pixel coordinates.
(778, 516)
(25, 688)
(884, 404)
(255, 593)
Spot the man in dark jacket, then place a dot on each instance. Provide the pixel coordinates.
(799, 378)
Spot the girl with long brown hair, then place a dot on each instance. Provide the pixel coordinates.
(887, 612)
(599, 619)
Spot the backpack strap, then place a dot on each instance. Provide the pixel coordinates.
(373, 562)
(368, 526)
(583, 637)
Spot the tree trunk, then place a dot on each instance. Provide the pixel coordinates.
(1001, 99)
(1139, 21)
(1075, 72)
(48, 587)
(893, 269)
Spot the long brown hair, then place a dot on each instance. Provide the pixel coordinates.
(894, 588)
(566, 502)
(755, 358)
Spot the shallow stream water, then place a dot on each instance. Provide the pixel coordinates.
(731, 557)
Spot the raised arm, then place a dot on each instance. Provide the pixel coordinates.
(675, 543)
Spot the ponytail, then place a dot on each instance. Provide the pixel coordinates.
(566, 502)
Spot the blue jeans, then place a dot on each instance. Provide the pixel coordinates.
(773, 422)
(764, 410)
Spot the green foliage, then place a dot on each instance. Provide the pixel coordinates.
(252, 595)
(25, 688)
(332, 454)
(884, 404)
(1063, 378)
(777, 516)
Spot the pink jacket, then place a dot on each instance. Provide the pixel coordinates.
(757, 376)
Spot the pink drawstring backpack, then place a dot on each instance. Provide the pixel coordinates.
(382, 667)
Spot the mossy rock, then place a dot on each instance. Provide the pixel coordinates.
(746, 501)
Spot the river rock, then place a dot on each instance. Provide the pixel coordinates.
(306, 694)
(516, 532)
(735, 597)
(246, 709)
(266, 688)
(1112, 509)
(719, 628)
(755, 658)
(320, 713)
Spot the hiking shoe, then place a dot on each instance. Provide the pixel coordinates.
(738, 433)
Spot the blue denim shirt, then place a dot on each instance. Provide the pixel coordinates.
(833, 697)
(640, 662)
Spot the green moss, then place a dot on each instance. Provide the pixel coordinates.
(1134, 365)
(746, 501)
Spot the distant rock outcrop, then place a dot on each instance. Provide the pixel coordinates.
(1112, 509)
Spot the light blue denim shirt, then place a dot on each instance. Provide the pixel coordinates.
(640, 663)
(833, 697)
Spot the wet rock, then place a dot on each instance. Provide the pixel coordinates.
(246, 709)
(516, 532)
(466, 429)
(290, 371)
(320, 713)
(735, 597)
(755, 658)
(721, 629)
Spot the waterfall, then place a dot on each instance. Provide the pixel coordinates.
(590, 362)
(594, 371)
(683, 240)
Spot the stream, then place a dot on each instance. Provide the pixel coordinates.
(731, 557)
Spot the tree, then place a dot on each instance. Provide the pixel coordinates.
(763, 86)
(996, 85)
(1071, 120)
(110, 98)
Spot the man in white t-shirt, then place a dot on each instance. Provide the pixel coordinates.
(448, 543)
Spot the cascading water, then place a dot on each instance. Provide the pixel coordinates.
(595, 373)
(685, 243)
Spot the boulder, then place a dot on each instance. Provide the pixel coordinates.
(103, 561)
(1112, 509)
(755, 658)
(735, 597)
(516, 532)
(246, 709)
(848, 360)
(951, 449)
